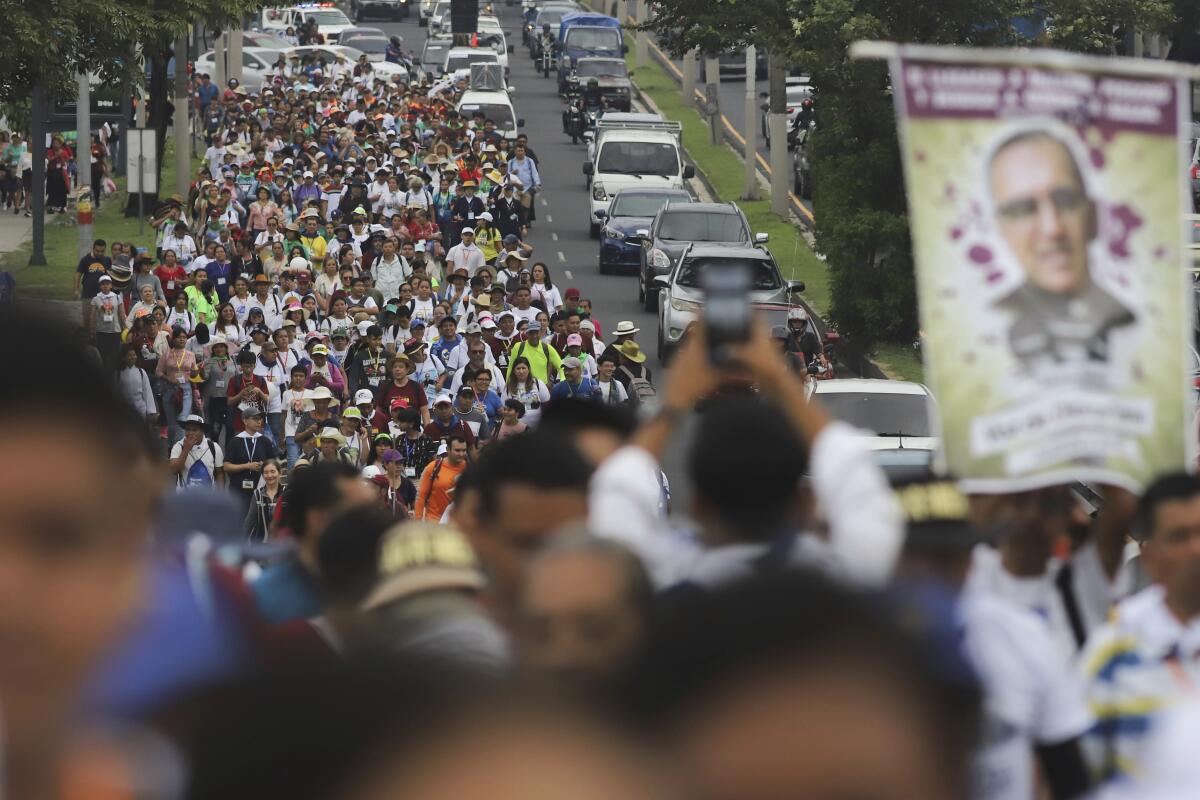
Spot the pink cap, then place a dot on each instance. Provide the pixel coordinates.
(574, 338)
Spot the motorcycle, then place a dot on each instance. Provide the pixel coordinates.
(549, 62)
(575, 122)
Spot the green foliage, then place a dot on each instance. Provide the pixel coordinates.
(1099, 26)
(48, 44)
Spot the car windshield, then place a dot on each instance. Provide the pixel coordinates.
(601, 68)
(498, 113)
(333, 17)
(441, 9)
(644, 205)
(435, 52)
(884, 414)
(369, 45)
(593, 39)
(763, 274)
(550, 17)
(268, 41)
(639, 158)
(702, 227)
(458, 62)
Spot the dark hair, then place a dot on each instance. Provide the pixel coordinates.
(567, 416)
(457, 436)
(348, 554)
(314, 487)
(56, 374)
(299, 370)
(99, 243)
(746, 461)
(535, 458)
(515, 405)
(606, 357)
(710, 640)
(1165, 489)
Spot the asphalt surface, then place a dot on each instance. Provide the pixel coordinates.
(560, 232)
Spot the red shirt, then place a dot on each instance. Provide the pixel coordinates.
(435, 431)
(412, 392)
(173, 280)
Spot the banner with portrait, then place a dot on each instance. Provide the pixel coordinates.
(1047, 196)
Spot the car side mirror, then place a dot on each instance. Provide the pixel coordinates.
(624, 49)
(795, 287)
(689, 171)
(661, 281)
(587, 168)
(763, 95)
(761, 238)
(602, 214)
(510, 48)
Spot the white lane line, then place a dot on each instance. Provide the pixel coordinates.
(544, 203)
(549, 218)
(561, 257)
(554, 236)
(567, 272)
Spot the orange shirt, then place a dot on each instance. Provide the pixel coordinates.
(432, 503)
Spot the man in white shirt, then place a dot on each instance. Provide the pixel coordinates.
(465, 255)
(214, 156)
(390, 271)
(1073, 596)
(195, 459)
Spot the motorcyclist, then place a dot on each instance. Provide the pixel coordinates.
(547, 40)
(591, 98)
(807, 113)
(801, 336)
(392, 52)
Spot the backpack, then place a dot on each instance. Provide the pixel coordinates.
(545, 352)
(641, 391)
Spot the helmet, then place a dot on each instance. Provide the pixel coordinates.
(299, 262)
(797, 313)
(546, 27)
(233, 83)
(395, 40)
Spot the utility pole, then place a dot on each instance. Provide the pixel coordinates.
(219, 61)
(37, 148)
(234, 67)
(643, 37)
(777, 125)
(83, 165)
(182, 119)
(689, 78)
(712, 97)
(750, 128)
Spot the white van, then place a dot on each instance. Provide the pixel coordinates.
(495, 106)
(632, 150)
(330, 19)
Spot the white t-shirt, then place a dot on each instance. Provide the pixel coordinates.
(612, 386)
(1032, 696)
(1093, 592)
(207, 452)
(551, 297)
(527, 314)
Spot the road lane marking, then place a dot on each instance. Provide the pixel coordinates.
(567, 272)
(544, 203)
(549, 218)
(562, 257)
(554, 236)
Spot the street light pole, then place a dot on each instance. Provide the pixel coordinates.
(750, 128)
(83, 164)
(182, 119)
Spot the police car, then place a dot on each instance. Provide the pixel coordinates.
(330, 19)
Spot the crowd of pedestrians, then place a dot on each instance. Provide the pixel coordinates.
(348, 497)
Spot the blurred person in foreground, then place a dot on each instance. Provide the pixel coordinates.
(746, 462)
(71, 568)
(583, 613)
(1033, 701)
(1146, 659)
(792, 685)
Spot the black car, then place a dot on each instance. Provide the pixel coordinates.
(612, 76)
(678, 225)
(547, 15)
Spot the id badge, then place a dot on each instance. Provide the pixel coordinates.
(409, 472)
(248, 484)
(470, 215)
(220, 384)
(107, 317)
(220, 281)
(170, 286)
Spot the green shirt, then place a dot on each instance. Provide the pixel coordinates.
(542, 359)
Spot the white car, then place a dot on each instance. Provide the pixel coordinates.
(682, 298)
(256, 65)
(330, 19)
(894, 414)
(349, 55)
(426, 11)
(496, 106)
(463, 57)
(439, 17)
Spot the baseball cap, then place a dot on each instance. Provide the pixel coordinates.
(363, 396)
(251, 411)
(466, 391)
(398, 402)
(534, 326)
(474, 327)
(444, 397)
(320, 349)
(570, 362)
(936, 514)
(467, 230)
(192, 419)
(488, 324)
(418, 557)
(574, 338)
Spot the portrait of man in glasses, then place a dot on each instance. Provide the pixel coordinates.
(1043, 214)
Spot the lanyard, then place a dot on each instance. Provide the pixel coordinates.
(251, 449)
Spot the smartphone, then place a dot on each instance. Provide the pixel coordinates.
(727, 308)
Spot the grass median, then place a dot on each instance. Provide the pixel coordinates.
(725, 172)
(56, 280)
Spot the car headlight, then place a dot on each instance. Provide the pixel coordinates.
(598, 192)
(659, 259)
(613, 233)
(686, 306)
(622, 90)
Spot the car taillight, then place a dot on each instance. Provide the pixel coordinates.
(1195, 172)
(791, 110)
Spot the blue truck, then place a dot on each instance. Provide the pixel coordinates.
(587, 34)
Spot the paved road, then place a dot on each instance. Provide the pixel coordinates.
(560, 233)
